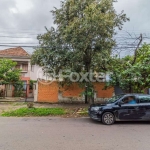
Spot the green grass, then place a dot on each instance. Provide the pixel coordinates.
(22, 112)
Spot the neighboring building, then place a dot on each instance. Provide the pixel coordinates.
(23, 59)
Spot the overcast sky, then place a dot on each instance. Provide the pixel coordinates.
(22, 20)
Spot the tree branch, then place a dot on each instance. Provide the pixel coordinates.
(135, 53)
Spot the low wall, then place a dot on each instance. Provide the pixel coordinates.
(53, 93)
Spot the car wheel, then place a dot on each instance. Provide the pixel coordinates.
(108, 118)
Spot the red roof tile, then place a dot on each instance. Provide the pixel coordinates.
(14, 52)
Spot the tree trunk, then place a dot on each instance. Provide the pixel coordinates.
(87, 68)
(86, 97)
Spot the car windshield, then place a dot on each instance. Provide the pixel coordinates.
(114, 98)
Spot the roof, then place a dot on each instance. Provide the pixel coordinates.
(14, 52)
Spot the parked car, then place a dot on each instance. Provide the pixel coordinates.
(124, 107)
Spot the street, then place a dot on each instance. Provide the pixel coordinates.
(49, 133)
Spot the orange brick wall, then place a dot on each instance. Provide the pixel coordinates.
(72, 91)
(103, 93)
(49, 93)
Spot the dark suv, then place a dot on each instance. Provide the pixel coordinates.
(124, 107)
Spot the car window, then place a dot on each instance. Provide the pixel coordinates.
(129, 100)
(115, 98)
(124, 100)
(144, 99)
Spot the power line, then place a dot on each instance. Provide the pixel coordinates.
(31, 46)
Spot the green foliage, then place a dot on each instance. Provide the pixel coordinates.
(89, 92)
(21, 112)
(8, 73)
(18, 94)
(132, 77)
(32, 84)
(18, 89)
(83, 38)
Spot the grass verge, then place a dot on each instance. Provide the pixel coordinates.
(83, 112)
(22, 112)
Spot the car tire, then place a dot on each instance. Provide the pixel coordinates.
(108, 118)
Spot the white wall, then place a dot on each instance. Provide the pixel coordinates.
(36, 72)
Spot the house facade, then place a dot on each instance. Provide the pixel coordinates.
(23, 59)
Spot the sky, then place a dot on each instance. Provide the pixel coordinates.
(22, 20)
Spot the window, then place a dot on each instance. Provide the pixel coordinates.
(24, 67)
(115, 98)
(144, 99)
(129, 100)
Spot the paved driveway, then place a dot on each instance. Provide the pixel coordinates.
(71, 134)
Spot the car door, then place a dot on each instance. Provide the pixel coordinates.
(128, 111)
(144, 107)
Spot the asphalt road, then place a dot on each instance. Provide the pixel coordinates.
(72, 134)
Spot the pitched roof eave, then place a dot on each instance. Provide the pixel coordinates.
(23, 57)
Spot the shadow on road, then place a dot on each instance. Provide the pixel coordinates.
(118, 122)
(132, 122)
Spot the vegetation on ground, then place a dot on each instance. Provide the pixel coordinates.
(83, 111)
(22, 112)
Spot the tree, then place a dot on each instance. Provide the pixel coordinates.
(82, 39)
(8, 73)
(132, 77)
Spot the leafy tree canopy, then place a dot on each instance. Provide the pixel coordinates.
(8, 73)
(132, 77)
(84, 32)
(83, 36)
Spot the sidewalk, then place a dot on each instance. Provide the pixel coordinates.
(16, 99)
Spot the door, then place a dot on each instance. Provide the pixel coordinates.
(144, 107)
(127, 111)
(9, 90)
